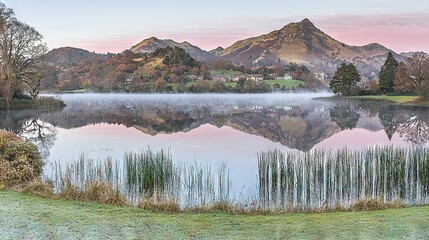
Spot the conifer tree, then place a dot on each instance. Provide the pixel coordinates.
(387, 74)
(345, 79)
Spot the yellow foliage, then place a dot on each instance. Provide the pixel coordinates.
(20, 161)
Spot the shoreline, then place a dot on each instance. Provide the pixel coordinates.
(26, 104)
(397, 100)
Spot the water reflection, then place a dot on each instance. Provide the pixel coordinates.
(294, 121)
(345, 117)
(41, 133)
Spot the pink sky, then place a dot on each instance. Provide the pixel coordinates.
(400, 32)
(113, 26)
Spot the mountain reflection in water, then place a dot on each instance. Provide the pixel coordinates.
(293, 120)
(213, 129)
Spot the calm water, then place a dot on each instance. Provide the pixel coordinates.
(213, 129)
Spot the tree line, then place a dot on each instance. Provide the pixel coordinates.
(408, 77)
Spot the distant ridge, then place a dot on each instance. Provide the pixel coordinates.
(151, 44)
(71, 55)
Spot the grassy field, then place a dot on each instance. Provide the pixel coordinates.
(29, 217)
(396, 99)
(287, 83)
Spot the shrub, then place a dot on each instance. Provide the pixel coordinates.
(20, 161)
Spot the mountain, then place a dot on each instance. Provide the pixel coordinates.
(216, 51)
(300, 42)
(70, 55)
(151, 44)
(410, 54)
(303, 43)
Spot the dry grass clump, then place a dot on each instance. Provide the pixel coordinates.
(151, 204)
(94, 192)
(373, 204)
(39, 188)
(222, 206)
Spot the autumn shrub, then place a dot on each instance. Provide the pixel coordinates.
(20, 161)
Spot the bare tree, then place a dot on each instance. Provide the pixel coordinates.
(6, 15)
(402, 82)
(415, 68)
(413, 75)
(21, 51)
(33, 85)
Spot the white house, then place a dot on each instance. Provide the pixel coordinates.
(287, 76)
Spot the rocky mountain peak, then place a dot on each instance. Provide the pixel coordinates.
(306, 22)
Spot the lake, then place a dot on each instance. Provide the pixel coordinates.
(217, 130)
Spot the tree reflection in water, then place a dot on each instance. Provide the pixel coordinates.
(41, 133)
(411, 123)
(345, 116)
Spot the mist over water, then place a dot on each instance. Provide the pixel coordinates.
(206, 100)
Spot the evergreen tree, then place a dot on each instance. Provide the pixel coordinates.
(345, 79)
(387, 74)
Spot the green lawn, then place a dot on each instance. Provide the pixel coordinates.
(29, 217)
(288, 83)
(396, 99)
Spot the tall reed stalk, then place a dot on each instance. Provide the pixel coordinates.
(323, 178)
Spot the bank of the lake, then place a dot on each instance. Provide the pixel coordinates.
(30, 217)
(396, 99)
(40, 103)
(400, 99)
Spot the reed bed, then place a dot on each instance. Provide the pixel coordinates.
(319, 180)
(148, 179)
(326, 179)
